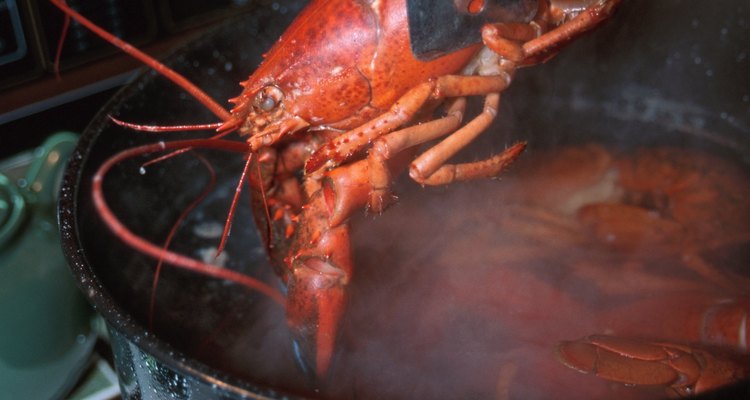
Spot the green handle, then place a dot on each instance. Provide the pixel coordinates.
(43, 176)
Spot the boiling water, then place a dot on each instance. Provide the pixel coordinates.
(465, 291)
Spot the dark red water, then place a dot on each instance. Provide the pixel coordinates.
(465, 291)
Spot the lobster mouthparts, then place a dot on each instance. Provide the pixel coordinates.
(263, 120)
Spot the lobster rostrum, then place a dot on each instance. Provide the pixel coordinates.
(341, 98)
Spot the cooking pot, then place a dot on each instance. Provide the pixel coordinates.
(660, 73)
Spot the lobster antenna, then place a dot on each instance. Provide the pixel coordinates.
(169, 128)
(233, 206)
(157, 272)
(58, 52)
(146, 247)
(265, 206)
(162, 69)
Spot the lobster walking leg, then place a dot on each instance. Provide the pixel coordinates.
(516, 43)
(513, 45)
(350, 143)
(389, 146)
(713, 333)
(516, 46)
(430, 167)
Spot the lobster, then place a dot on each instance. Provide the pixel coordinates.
(330, 117)
(657, 308)
(677, 203)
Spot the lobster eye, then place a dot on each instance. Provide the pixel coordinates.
(268, 98)
(267, 104)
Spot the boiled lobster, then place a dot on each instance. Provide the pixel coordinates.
(331, 115)
(667, 218)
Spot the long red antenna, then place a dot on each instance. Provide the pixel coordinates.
(173, 231)
(233, 206)
(146, 247)
(162, 69)
(169, 128)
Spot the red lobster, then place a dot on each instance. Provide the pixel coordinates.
(338, 97)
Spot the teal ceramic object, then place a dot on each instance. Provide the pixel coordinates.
(45, 323)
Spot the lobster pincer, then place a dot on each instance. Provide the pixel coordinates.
(320, 268)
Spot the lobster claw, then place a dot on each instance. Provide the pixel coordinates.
(315, 304)
(684, 369)
(317, 282)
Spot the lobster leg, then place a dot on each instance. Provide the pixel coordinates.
(430, 167)
(513, 45)
(718, 326)
(272, 213)
(367, 182)
(517, 45)
(389, 146)
(346, 145)
(350, 143)
(684, 369)
(521, 46)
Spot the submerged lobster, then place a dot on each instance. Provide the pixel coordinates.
(635, 246)
(331, 115)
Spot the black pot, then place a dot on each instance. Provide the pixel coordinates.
(149, 365)
(668, 72)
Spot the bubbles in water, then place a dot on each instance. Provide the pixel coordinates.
(208, 256)
(208, 229)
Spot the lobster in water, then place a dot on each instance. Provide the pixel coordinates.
(636, 246)
(332, 114)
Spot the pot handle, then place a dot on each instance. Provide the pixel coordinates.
(43, 176)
